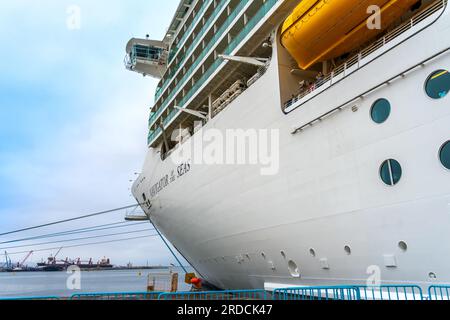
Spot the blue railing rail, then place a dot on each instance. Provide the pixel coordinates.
(391, 292)
(30, 298)
(317, 293)
(116, 296)
(439, 293)
(348, 293)
(216, 295)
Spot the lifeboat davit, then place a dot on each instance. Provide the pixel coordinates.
(320, 30)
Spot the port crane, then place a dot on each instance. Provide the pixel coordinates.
(20, 265)
(53, 259)
(7, 261)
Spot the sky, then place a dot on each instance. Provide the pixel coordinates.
(73, 120)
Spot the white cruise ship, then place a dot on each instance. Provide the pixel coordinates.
(301, 143)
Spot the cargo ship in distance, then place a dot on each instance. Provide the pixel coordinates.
(52, 264)
(354, 95)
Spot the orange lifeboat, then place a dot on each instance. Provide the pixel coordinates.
(318, 30)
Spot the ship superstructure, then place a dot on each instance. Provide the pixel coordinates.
(199, 82)
(357, 93)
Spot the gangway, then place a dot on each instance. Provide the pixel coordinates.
(135, 216)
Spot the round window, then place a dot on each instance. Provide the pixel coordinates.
(380, 111)
(391, 172)
(444, 155)
(438, 84)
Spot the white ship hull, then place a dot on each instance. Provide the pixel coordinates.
(240, 229)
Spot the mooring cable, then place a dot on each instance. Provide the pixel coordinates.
(110, 226)
(168, 247)
(69, 220)
(77, 239)
(82, 245)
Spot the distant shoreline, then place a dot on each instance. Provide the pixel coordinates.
(96, 269)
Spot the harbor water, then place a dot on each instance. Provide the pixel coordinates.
(31, 284)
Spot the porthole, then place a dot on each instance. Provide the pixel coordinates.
(348, 250)
(380, 111)
(391, 172)
(293, 269)
(438, 84)
(444, 155)
(403, 246)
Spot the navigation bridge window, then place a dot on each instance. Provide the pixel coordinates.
(148, 53)
(391, 172)
(380, 111)
(438, 84)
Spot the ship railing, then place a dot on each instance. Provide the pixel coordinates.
(128, 62)
(439, 293)
(226, 295)
(175, 50)
(212, 42)
(261, 71)
(191, 47)
(251, 23)
(116, 296)
(356, 62)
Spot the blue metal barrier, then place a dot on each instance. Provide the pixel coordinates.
(383, 292)
(390, 292)
(317, 293)
(116, 296)
(439, 293)
(216, 295)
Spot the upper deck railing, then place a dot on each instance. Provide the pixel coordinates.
(260, 14)
(175, 49)
(174, 69)
(356, 62)
(206, 51)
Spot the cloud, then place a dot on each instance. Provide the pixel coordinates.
(75, 121)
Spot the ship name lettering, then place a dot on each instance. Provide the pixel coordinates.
(183, 169)
(159, 186)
